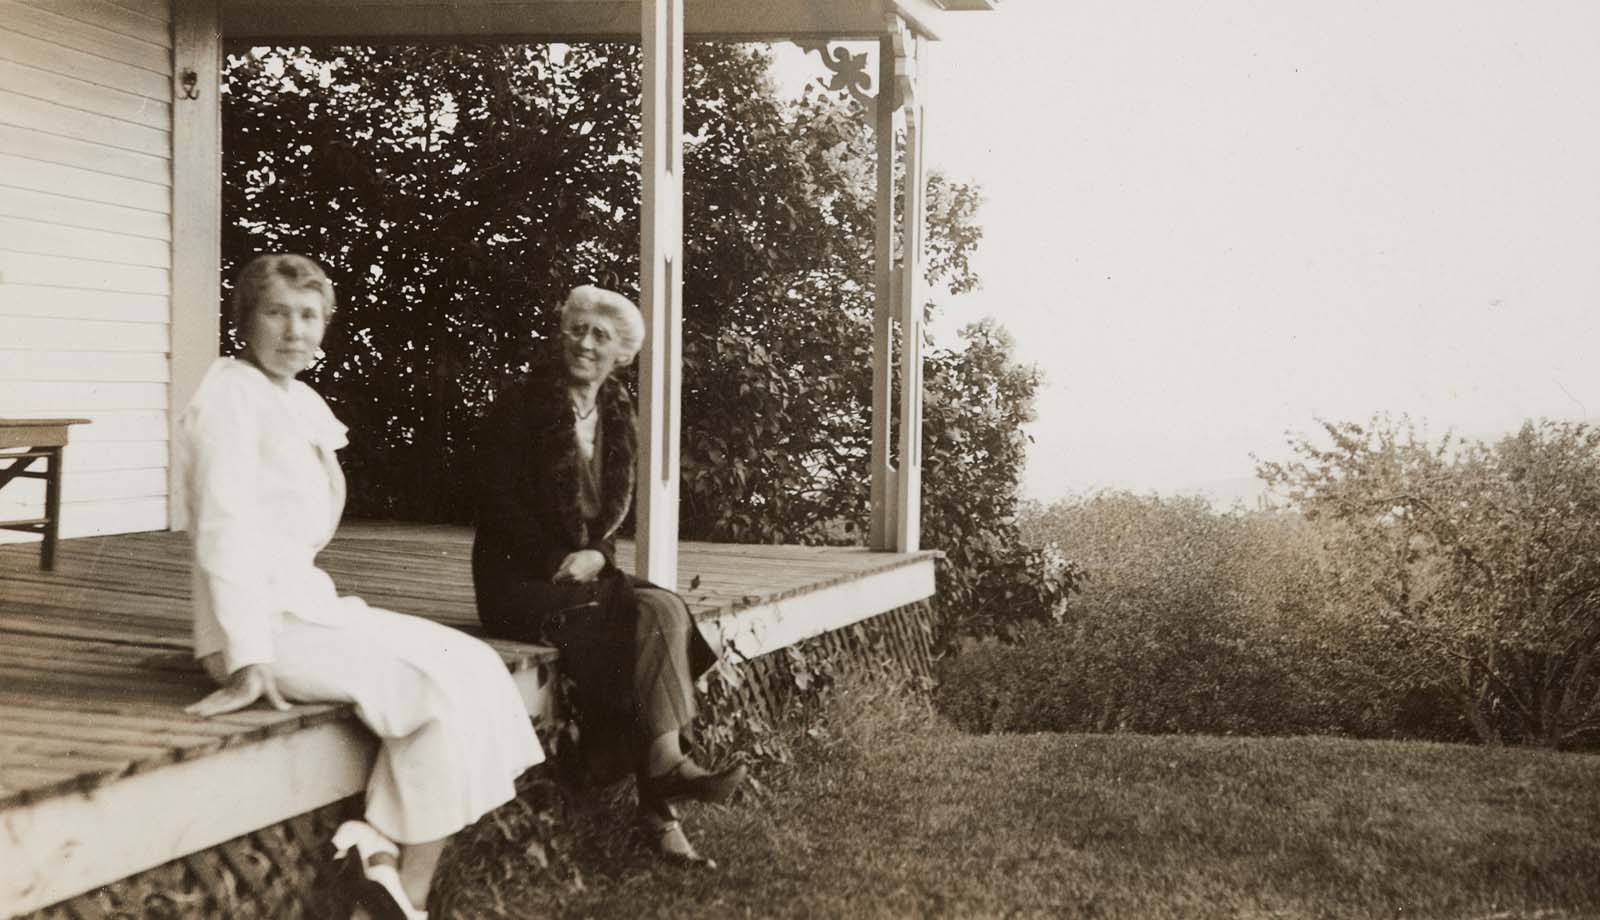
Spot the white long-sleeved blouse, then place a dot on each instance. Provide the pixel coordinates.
(260, 492)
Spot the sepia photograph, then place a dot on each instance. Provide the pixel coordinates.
(1114, 459)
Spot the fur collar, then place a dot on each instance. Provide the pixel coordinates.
(556, 439)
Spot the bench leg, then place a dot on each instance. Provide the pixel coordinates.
(52, 510)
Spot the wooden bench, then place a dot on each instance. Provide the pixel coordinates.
(22, 441)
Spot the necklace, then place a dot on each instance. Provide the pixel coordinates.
(583, 416)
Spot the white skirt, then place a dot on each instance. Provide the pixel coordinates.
(454, 732)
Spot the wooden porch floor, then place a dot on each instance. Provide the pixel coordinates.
(103, 775)
(94, 663)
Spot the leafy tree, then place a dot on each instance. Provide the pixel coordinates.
(453, 192)
(1482, 562)
(977, 400)
(457, 192)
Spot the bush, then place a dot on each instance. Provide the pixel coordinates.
(1444, 590)
(1060, 681)
(1189, 621)
(977, 400)
(1479, 565)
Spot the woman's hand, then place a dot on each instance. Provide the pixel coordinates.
(244, 686)
(581, 566)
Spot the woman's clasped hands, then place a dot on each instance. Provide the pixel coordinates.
(582, 567)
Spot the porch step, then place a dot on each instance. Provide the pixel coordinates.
(103, 776)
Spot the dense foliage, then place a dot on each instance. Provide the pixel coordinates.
(1481, 561)
(1446, 591)
(456, 193)
(978, 398)
(1189, 620)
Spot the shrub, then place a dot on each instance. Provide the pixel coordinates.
(977, 400)
(1479, 564)
(1189, 621)
(1446, 590)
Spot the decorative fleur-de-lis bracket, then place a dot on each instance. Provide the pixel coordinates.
(850, 71)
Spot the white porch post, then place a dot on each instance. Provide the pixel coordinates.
(910, 53)
(885, 492)
(660, 293)
(196, 198)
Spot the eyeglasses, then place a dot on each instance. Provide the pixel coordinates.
(577, 332)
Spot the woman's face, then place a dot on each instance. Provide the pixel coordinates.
(285, 330)
(590, 345)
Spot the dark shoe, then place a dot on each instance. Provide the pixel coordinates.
(674, 786)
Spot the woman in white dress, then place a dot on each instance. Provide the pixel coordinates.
(262, 493)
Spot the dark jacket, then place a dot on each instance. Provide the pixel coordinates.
(527, 487)
(529, 520)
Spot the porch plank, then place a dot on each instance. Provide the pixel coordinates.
(24, 724)
(95, 670)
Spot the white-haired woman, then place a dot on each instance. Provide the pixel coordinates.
(555, 482)
(262, 492)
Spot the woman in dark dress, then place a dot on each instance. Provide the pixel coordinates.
(555, 481)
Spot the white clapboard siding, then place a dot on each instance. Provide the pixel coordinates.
(70, 303)
(25, 333)
(53, 118)
(94, 518)
(21, 394)
(60, 271)
(60, 59)
(80, 365)
(25, 498)
(112, 17)
(41, 23)
(155, 114)
(47, 238)
(89, 160)
(27, 174)
(98, 456)
(89, 215)
(86, 251)
(53, 239)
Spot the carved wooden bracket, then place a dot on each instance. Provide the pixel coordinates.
(849, 71)
(905, 66)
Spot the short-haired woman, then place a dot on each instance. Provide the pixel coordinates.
(555, 482)
(262, 492)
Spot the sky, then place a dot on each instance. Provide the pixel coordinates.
(1211, 224)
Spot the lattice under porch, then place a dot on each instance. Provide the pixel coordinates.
(102, 775)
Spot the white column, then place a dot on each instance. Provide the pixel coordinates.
(661, 293)
(196, 198)
(908, 525)
(885, 493)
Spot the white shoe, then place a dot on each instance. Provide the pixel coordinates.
(380, 891)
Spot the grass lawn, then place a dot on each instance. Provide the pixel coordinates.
(888, 812)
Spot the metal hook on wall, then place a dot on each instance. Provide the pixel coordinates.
(187, 81)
